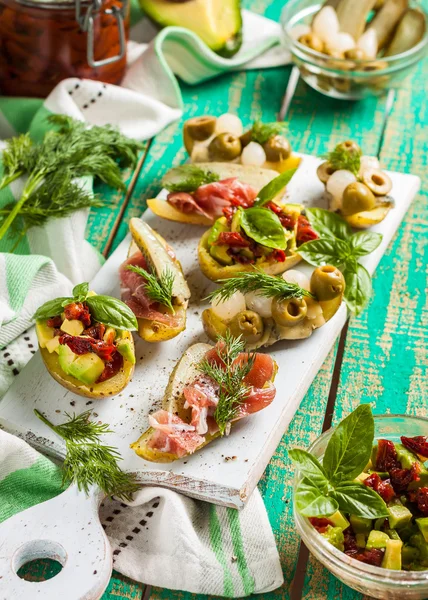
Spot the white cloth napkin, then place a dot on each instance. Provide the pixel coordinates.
(161, 538)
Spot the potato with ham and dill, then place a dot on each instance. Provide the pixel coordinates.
(210, 389)
(86, 342)
(265, 235)
(153, 285)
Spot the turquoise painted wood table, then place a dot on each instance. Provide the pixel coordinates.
(381, 356)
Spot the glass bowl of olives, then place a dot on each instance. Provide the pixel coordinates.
(374, 581)
(350, 50)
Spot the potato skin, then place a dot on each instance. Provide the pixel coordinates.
(215, 271)
(152, 331)
(97, 391)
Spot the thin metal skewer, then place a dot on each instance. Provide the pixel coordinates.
(289, 93)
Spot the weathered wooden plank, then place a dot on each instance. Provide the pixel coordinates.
(385, 360)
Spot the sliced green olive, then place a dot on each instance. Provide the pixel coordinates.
(277, 148)
(289, 312)
(328, 286)
(197, 129)
(214, 327)
(351, 147)
(357, 197)
(377, 181)
(324, 171)
(311, 41)
(224, 147)
(247, 324)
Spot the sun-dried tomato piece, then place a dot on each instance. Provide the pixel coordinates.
(386, 457)
(350, 542)
(401, 478)
(80, 345)
(240, 258)
(320, 523)
(422, 500)
(383, 488)
(78, 310)
(228, 212)
(305, 232)
(274, 207)
(96, 331)
(232, 239)
(417, 444)
(278, 255)
(55, 322)
(112, 367)
(374, 556)
(287, 221)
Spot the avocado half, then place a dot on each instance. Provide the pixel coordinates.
(218, 24)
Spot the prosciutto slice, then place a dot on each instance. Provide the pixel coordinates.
(133, 293)
(201, 397)
(210, 199)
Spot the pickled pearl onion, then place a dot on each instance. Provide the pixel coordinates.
(259, 304)
(295, 276)
(336, 184)
(326, 23)
(229, 123)
(253, 154)
(368, 43)
(229, 308)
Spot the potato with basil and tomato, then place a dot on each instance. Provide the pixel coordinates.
(264, 309)
(86, 342)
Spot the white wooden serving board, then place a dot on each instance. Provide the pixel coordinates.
(207, 474)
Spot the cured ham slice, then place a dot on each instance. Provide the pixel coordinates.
(210, 199)
(262, 370)
(133, 293)
(202, 398)
(172, 435)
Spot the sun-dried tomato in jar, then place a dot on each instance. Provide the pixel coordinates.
(42, 43)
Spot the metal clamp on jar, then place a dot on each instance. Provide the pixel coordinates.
(42, 43)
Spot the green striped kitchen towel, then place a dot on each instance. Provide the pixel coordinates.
(161, 538)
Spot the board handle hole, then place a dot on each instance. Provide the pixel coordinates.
(24, 558)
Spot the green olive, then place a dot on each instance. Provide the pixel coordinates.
(328, 286)
(277, 148)
(197, 129)
(246, 138)
(214, 327)
(355, 54)
(357, 197)
(311, 41)
(324, 171)
(289, 312)
(350, 146)
(224, 147)
(377, 181)
(247, 324)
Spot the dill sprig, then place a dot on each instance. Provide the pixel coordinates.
(70, 148)
(89, 462)
(262, 132)
(257, 281)
(187, 178)
(230, 379)
(340, 158)
(157, 289)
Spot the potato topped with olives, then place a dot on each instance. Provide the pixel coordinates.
(265, 309)
(222, 139)
(358, 188)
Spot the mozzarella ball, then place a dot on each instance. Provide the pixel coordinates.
(295, 276)
(199, 153)
(253, 154)
(368, 43)
(336, 184)
(229, 308)
(259, 304)
(229, 123)
(326, 24)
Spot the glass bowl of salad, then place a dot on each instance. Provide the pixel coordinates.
(351, 67)
(383, 557)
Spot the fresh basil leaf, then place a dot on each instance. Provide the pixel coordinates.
(274, 188)
(52, 308)
(329, 224)
(264, 227)
(80, 292)
(364, 242)
(309, 466)
(349, 448)
(324, 251)
(310, 501)
(358, 286)
(111, 311)
(360, 500)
